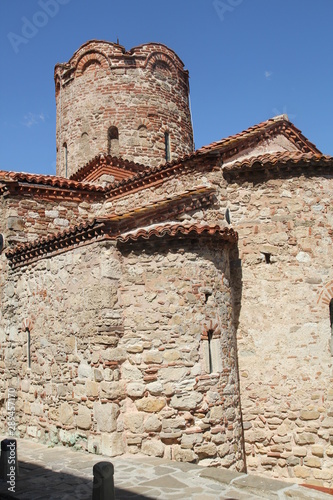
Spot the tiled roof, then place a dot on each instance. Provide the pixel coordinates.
(264, 130)
(101, 229)
(103, 163)
(284, 160)
(35, 180)
(156, 175)
(110, 227)
(159, 231)
(140, 180)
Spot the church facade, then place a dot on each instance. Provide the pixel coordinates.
(163, 300)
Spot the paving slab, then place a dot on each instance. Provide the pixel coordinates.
(61, 473)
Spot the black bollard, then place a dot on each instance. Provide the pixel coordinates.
(103, 486)
(8, 461)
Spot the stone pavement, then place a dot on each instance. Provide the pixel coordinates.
(63, 473)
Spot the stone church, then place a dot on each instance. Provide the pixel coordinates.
(167, 301)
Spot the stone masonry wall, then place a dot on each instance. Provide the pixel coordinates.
(27, 217)
(120, 353)
(285, 243)
(142, 93)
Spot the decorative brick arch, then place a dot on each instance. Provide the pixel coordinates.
(159, 58)
(211, 327)
(114, 123)
(165, 128)
(326, 294)
(143, 122)
(27, 324)
(91, 58)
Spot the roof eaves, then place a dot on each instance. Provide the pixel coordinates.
(260, 131)
(285, 161)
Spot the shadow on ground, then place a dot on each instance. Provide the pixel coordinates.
(38, 483)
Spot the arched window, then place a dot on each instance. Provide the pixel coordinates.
(167, 146)
(113, 141)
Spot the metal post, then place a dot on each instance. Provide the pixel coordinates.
(8, 461)
(103, 486)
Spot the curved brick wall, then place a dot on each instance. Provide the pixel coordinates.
(140, 95)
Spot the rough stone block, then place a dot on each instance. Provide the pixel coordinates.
(206, 450)
(153, 448)
(112, 445)
(186, 401)
(106, 416)
(134, 422)
(181, 455)
(152, 424)
(66, 414)
(304, 438)
(150, 404)
(135, 389)
(309, 415)
(83, 418)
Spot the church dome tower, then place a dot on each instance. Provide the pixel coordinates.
(130, 104)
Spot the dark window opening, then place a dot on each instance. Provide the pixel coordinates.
(210, 358)
(167, 146)
(227, 216)
(28, 348)
(65, 157)
(113, 141)
(267, 257)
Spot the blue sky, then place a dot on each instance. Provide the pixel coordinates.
(248, 61)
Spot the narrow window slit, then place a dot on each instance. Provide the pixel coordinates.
(28, 348)
(113, 141)
(65, 158)
(167, 146)
(210, 358)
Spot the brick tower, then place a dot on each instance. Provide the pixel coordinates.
(131, 104)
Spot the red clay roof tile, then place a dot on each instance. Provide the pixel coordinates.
(99, 229)
(279, 159)
(171, 230)
(273, 126)
(122, 169)
(48, 180)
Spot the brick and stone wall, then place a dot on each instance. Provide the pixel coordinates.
(285, 244)
(132, 350)
(28, 217)
(123, 103)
